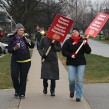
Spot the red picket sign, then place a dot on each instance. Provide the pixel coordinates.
(97, 24)
(94, 28)
(59, 28)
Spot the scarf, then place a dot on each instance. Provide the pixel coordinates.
(76, 39)
(22, 44)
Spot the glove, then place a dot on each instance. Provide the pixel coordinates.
(28, 40)
(73, 55)
(44, 57)
(17, 46)
(52, 44)
(74, 43)
(85, 40)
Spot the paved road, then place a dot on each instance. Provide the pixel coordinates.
(97, 95)
(99, 48)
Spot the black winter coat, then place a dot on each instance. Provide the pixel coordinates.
(38, 36)
(68, 48)
(50, 69)
(19, 54)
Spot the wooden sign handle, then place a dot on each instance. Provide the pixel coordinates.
(73, 56)
(48, 50)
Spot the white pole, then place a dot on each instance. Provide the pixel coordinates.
(73, 56)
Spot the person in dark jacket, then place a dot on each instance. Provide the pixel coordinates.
(49, 69)
(20, 59)
(75, 62)
(38, 36)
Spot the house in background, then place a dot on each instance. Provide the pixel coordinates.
(7, 24)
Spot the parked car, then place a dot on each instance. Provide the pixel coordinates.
(3, 48)
(9, 34)
(4, 39)
(1, 33)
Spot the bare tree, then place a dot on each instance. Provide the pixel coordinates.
(104, 7)
(51, 9)
(32, 12)
(76, 10)
(21, 10)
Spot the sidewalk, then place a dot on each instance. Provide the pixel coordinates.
(35, 99)
(7, 100)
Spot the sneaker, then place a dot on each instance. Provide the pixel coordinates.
(16, 94)
(71, 94)
(22, 96)
(78, 99)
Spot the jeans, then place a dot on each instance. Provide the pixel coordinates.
(75, 75)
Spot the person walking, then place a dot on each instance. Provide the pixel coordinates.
(49, 69)
(20, 59)
(75, 65)
(38, 36)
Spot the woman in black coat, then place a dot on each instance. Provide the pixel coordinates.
(20, 60)
(75, 62)
(50, 69)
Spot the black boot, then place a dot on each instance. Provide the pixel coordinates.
(78, 99)
(52, 87)
(52, 92)
(71, 94)
(45, 90)
(16, 94)
(22, 96)
(45, 85)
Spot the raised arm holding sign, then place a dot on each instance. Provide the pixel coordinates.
(48, 48)
(59, 29)
(94, 28)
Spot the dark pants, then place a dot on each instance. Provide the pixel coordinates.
(52, 86)
(37, 42)
(19, 72)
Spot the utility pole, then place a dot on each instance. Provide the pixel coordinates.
(76, 11)
(97, 6)
(48, 13)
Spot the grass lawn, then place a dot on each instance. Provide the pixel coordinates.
(5, 78)
(97, 68)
